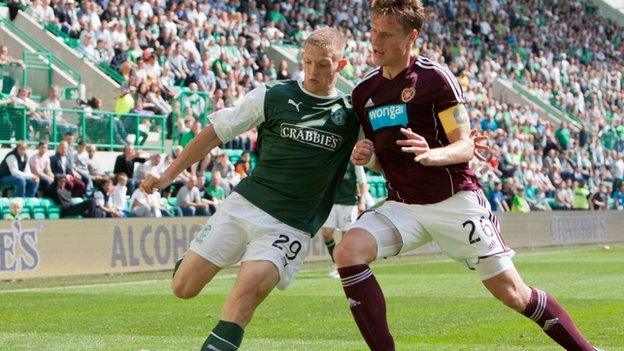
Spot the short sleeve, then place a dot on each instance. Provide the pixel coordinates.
(448, 91)
(248, 113)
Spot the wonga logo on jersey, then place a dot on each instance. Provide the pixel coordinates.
(388, 116)
(18, 248)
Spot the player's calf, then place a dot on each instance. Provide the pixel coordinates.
(538, 306)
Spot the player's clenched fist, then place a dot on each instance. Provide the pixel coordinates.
(362, 153)
(153, 181)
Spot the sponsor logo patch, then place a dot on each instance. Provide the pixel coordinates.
(388, 116)
(311, 136)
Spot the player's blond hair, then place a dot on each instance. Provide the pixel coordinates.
(409, 13)
(328, 38)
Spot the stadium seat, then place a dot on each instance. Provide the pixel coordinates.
(208, 177)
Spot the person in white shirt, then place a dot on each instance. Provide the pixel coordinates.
(14, 171)
(145, 205)
(118, 199)
(190, 201)
(39, 164)
(53, 111)
(152, 164)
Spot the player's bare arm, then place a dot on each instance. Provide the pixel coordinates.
(194, 152)
(464, 142)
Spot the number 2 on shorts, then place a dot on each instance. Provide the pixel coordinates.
(291, 250)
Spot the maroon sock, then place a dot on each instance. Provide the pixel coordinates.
(544, 310)
(368, 306)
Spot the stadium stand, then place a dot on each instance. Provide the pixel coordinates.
(179, 61)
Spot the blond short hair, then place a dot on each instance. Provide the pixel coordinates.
(409, 13)
(328, 38)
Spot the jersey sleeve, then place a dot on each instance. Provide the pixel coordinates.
(360, 175)
(449, 102)
(247, 114)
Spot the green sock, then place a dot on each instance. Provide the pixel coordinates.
(330, 248)
(226, 336)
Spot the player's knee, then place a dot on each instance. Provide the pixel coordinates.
(513, 298)
(183, 291)
(354, 251)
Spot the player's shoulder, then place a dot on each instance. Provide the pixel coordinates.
(280, 86)
(434, 70)
(367, 80)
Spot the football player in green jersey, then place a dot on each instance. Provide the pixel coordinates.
(306, 132)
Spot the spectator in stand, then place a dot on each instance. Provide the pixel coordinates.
(52, 104)
(119, 193)
(14, 171)
(519, 202)
(618, 197)
(39, 122)
(145, 205)
(190, 201)
(61, 164)
(225, 168)
(6, 59)
(15, 213)
(152, 165)
(63, 197)
(125, 164)
(104, 200)
(186, 138)
(243, 166)
(497, 199)
(600, 199)
(580, 200)
(215, 192)
(94, 167)
(79, 168)
(40, 166)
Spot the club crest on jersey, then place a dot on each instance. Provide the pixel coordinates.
(310, 136)
(339, 117)
(408, 94)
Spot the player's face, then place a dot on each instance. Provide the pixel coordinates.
(391, 44)
(321, 68)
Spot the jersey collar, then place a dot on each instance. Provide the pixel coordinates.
(330, 96)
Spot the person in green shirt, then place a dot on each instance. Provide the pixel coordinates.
(215, 190)
(580, 197)
(519, 203)
(563, 136)
(306, 133)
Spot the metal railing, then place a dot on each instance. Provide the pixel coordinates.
(55, 61)
(546, 106)
(104, 129)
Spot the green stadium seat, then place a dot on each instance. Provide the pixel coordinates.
(208, 177)
(172, 201)
(4, 202)
(54, 212)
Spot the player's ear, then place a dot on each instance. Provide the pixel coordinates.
(413, 35)
(342, 63)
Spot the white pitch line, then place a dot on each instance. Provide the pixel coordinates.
(68, 287)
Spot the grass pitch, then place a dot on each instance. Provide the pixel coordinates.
(433, 304)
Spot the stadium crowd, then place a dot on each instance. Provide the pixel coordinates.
(219, 48)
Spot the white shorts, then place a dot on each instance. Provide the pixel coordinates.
(240, 231)
(341, 217)
(462, 226)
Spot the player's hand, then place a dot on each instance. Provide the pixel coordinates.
(416, 145)
(362, 153)
(480, 144)
(154, 181)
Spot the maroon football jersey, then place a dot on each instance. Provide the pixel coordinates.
(413, 100)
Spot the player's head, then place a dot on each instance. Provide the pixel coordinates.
(322, 58)
(394, 29)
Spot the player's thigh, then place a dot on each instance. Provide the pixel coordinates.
(192, 275)
(395, 228)
(254, 282)
(464, 228)
(284, 246)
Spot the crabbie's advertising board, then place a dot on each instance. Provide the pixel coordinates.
(95, 246)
